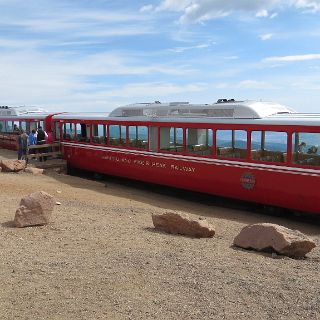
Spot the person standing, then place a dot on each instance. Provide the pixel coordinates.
(32, 138)
(23, 140)
(41, 139)
(16, 129)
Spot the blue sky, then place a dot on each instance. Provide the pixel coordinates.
(95, 55)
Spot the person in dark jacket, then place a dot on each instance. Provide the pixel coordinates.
(41, 139)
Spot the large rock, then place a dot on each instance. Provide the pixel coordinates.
(13, 165)
(33, 170)
(181, 223)
(268, 236)
(35, 209)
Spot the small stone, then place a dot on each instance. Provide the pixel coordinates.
(33, 170)
(58, 203)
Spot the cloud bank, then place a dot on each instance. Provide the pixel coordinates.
(194, 11)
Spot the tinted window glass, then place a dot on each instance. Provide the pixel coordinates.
(117, 135)
(270, 146)
(171, 139)
(99, 133)
(305, 148)
(68, 131)
(232, 143)
(199, 141)
(138, 136)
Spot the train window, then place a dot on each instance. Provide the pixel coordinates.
(171, 139)
(68, 131)
(99, 133)
(305, 148)
(231, 143)
(9, 126)
(117, 135)
(269, 146)
(138, 137)
(56, 131)
(23, 125)
(2, 126)
(83, 132)
(41, 124)
(33, 126)
(199, 141)
(16, 126)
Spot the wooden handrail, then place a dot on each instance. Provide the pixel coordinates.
(36, 147)
(40, 146)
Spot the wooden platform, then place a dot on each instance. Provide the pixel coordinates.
(49, 164)
(49, 151)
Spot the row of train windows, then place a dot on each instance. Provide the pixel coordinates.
(28, 126)
(269, 146)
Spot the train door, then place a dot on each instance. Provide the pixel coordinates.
(153, 139)
(56, 131)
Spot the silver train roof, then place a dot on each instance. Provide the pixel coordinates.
(6, 111)
(224, 111)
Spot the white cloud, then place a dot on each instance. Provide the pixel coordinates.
(266, 36)
(146, 8)
(155, 90)
(304, 57)
(253, 84)
(116, 31)
(51, 79)
(275, 14)
(231, 58)
(245, 84)
(194, 11)
(313, 5)
(68, 21)
(182, 49)
(174, 5)
(262, 13)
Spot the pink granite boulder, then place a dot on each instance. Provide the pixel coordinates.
(12, 165)
(181, 223)
(276, 238)
(35, 209)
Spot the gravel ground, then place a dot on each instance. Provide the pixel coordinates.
(100, 258)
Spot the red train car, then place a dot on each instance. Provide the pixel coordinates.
(26, 118)
(254, 151)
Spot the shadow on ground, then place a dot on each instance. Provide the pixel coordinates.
(169, 198)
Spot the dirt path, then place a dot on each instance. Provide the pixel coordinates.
(100, 258)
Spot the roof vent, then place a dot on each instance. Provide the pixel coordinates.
(225, 100)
